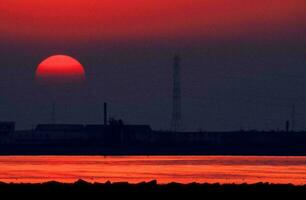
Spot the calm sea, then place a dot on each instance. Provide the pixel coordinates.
(164, 169)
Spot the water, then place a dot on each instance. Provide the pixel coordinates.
(164, 169)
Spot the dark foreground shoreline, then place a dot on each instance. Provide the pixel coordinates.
(149, 189)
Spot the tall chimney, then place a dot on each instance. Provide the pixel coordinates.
(105, 114)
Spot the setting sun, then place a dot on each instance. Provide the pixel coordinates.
(60, 68)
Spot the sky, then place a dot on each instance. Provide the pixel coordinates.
(243, 62)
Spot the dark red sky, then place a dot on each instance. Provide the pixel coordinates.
(96, 20)
(243, 61)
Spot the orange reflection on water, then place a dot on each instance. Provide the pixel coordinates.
(165, 169)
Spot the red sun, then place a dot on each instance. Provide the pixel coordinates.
(60, 69)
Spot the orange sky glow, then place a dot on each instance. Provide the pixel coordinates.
(159, 19)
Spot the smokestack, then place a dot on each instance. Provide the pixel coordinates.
(105, 114)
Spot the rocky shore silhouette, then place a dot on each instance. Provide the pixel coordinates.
(150, 189)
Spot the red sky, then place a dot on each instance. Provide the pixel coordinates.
(142, 19)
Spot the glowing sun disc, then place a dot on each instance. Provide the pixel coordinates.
(60, 68)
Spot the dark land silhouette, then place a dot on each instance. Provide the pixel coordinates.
(117, 138)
